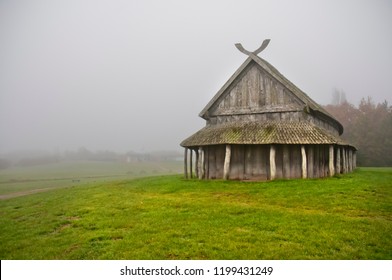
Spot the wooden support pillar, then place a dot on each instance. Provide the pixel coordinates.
(346, 152)
(186, 163)
(197, 164)
(344, 166)
(337, 165)
(350, 160)
(304, 163)
(201, 167)
(206, 152)
(331, 166)
(226, 166)
(355, 159)
(272, 162)
(190, 163)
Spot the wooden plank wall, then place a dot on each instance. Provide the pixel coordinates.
(254, 89)
(256, 162)
(318, 160)
(274, 114)
(237, 163)
(310, 160)
(251, 162)
(214, 161)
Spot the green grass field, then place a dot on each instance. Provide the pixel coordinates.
(167, 217)
(65, 174)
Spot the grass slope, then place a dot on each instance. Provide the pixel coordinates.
(72, 173)
(347, 217)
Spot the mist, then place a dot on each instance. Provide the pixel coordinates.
(134, 75)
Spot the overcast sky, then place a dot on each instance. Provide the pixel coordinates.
(134, 75)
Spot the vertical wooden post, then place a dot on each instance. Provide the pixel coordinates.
(186, 163)
(346, 156)
(201, 169)
(355, 159)
(226, 166)
(197, 164)
(350, 161)
(337, 166)
(304, 163)
(331, 165)
(190, 163)
(206, 152)
(344, 166)
(272, 162)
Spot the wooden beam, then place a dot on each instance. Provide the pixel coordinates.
(337, 166)
(346, 156)
(190, 163)
(197, 164)
(201, 170)
(206, 152)
(272, 162)
(226, 166)
(331, 165)
(344, 166)
(355, 159)
(186, 163)
(304, 163)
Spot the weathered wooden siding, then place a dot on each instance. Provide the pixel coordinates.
(252, 162)
(249, 162)
(214, 160)
(288, 161)
(317, 161)
(237, 165)
(255, 90)
(294, 115)
(256, 96)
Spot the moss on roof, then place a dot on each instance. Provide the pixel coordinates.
(270, 132)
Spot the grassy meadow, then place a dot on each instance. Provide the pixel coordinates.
(167, 217)
(20, 180)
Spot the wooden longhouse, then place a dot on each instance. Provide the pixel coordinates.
(260, 126)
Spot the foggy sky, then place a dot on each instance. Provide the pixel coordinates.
(134, 75)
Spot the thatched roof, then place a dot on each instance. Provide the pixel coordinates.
(269, 132)
(311, 105)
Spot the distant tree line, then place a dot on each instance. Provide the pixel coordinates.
(368, 127)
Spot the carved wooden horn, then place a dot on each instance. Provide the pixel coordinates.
(256, 52)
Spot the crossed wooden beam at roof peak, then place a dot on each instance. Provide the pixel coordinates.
(256, 52)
